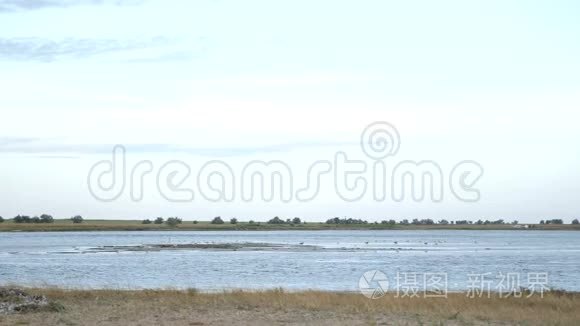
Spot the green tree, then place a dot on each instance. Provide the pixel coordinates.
(1, 219)
(173, 221)
(574, 221)
(233, 220)
(217, 220)
(45, 218)
(146, 221)
(296, 220)
(276, 220)
(159, 220)
(22, 219)
(77, 219)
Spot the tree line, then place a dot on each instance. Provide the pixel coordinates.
(171, 221)
(174, 221)
(429, 221)
(42, 219)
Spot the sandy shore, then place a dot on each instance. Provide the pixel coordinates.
(276, 307)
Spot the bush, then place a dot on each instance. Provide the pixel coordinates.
(487, 222)
(1, 219)
(443, 222)
(296, 220)
(35, 219)
(195, 222)
(173, 221)
(276, 220)
(337, 220)
(251, 222)
(159, 220)
(77, 219)
(44, 218)
(427, 221)
(234, 221)
(22, 219)
(217, 220)
(147, 221)
(574, 221)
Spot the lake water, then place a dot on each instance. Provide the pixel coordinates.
(337, 263)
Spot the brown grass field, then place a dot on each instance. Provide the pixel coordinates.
(277, 307)
(136, 225)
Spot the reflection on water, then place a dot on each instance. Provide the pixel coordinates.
(329, 260)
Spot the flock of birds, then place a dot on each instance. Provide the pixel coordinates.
(426, 243)
(436, 243)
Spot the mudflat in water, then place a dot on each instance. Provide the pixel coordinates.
(326, 260)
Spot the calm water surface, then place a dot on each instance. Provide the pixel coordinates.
(59, 258)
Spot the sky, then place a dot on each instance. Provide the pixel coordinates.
(495, 82)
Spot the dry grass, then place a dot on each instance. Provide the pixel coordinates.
(169, 307)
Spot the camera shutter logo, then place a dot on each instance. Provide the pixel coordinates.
(373, 284)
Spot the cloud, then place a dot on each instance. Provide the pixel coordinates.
(169, 56)
(44, 50)
(25, 5)
(41, 149)
(5, 141)
(58, 157)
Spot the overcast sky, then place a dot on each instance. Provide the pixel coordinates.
(497, 82)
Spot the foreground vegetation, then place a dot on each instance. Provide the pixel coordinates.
(169, 307)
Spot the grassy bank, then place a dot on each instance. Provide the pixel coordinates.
(136, 225)
(278, 307)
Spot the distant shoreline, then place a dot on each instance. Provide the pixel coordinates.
(136, 225)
